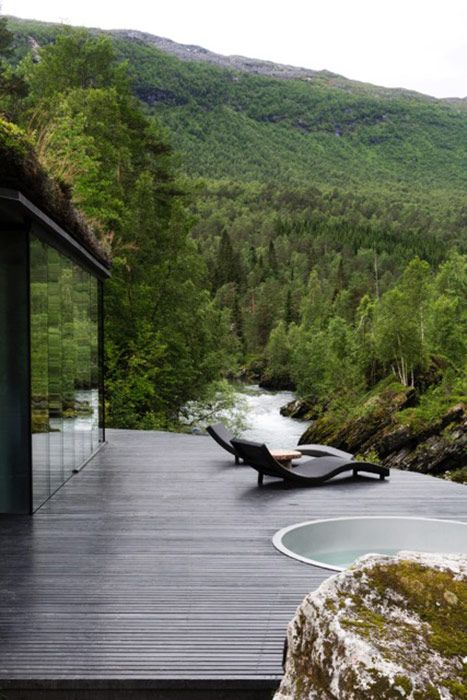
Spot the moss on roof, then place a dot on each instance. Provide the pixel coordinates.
(20, 170)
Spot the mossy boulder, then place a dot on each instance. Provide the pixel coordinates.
(390, 627)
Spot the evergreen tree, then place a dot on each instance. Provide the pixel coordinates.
(228, 267)
(272, 259)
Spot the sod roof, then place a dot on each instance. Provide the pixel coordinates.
(20, 170)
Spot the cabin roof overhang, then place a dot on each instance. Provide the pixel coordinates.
(18, 212)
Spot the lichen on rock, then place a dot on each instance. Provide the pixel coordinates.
(389, 627)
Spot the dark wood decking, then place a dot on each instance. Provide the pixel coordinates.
(153, 568)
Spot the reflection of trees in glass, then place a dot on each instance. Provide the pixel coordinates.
(94, 339)
(64, 367)
(54, 337)
(39, 339)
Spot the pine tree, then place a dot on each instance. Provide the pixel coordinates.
(228, 267)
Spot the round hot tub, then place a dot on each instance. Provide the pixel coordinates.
(336, 543)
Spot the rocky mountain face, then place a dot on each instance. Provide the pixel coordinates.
(190, 52)
(388, 628)
(260, 67)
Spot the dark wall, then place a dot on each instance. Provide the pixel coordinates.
(15, 481)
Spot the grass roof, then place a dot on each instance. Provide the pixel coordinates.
(20, 170)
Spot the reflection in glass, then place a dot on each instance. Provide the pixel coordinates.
(39, 373)
(65, 368)
(54, 317)
(94, 338)
(68, 365)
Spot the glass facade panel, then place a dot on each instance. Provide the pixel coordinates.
(39, 372)
(55, 373)
(68, 365)
(65, 368)
(94, 335)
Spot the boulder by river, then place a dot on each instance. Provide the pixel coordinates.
(300, 409)
(390, 627)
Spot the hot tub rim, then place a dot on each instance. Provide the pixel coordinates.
(277, 537)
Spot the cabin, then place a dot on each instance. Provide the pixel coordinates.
(52, 271)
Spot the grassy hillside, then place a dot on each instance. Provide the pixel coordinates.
(324, 130)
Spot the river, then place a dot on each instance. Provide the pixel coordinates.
(262, 419)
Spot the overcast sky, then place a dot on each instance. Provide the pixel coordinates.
(416, 44)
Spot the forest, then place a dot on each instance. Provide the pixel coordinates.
(311, 236)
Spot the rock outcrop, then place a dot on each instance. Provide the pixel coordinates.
(191, 52)
(390, 627)
(382, 432)
(300, 409)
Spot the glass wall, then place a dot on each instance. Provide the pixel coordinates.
(65, 368)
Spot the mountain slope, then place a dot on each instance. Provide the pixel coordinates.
(229, 121)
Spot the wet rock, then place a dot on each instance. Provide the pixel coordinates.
(387, 628)
(436, 454)
(300, 409)
(398, 438)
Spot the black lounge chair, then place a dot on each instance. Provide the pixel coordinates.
(224, 438)
(311, 472)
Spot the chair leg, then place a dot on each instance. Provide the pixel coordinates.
(237, 459)
(382, 477)
(260, 478)
(355, 472)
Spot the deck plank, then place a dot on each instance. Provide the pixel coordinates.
(154, 565)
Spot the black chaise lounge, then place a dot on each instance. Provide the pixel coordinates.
(311, 472)
(224, 438)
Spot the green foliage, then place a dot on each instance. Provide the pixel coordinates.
(458, 475)
(278, 355)
(400, 323)
(435, 402)
(337, 363)
(74, 61)
(252, 127)
(12, 86)
(163, 329)
(330, 223)
(228, 267)
(165, 338)
(13, 142)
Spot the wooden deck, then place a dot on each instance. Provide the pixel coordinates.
(151, 573)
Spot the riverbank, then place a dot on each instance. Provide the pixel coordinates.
(400, 429)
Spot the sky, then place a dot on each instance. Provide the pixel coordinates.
(415, 44)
